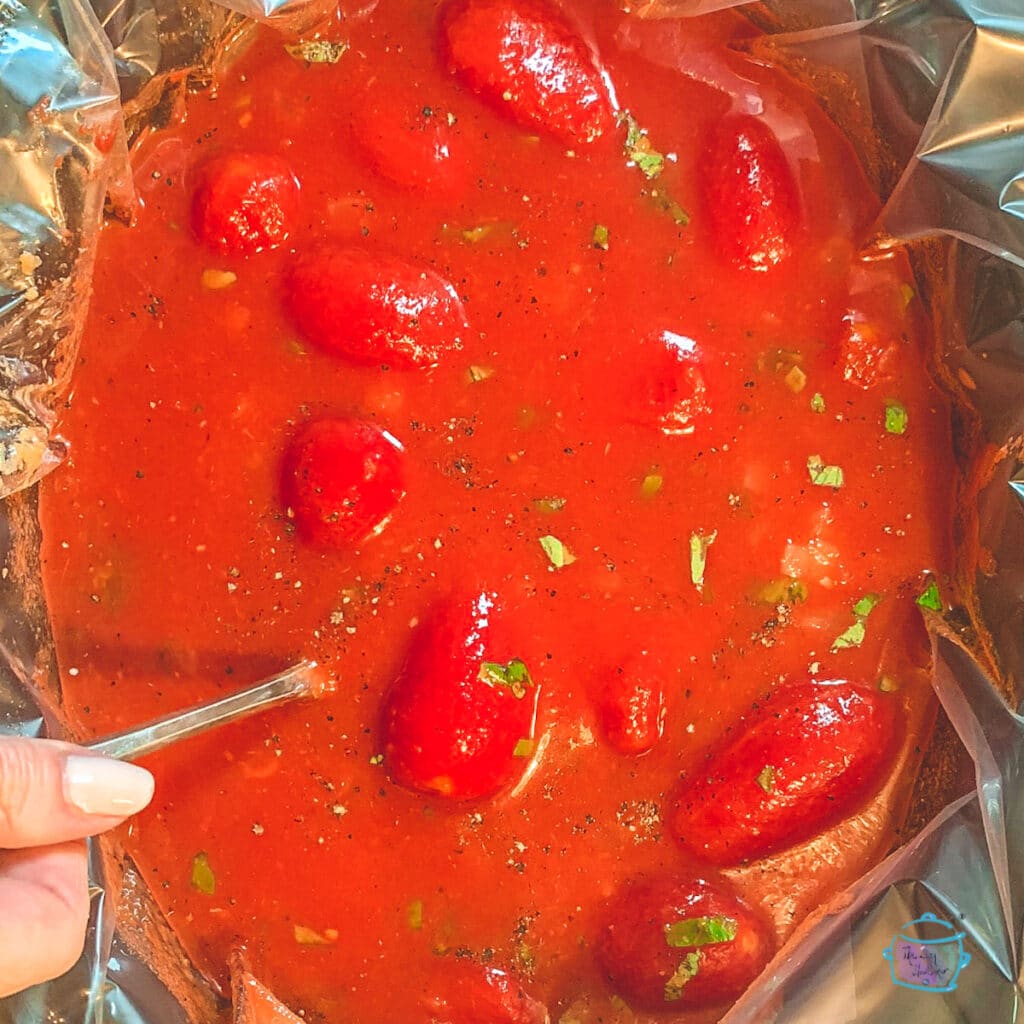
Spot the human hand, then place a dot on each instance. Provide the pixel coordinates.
(52, 795)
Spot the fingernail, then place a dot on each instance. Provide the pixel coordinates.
(101, 785)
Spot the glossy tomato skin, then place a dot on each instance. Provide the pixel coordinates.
(342, 480)
(631, 703)
(803, 760)
(409, 142)
(750, 194)
(637, 959)
(372, 308)
(475, 994)
(244, 203)
(524, 57)
(665, 384)
(447, 731)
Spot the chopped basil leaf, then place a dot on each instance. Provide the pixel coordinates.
(823, 475)
(601, 237)
(203, 878)
(558, 554)
(907, 293)
(479, 373)
(524, 748)
(685, 973)
(766, 778)
(786, 590)
(638, 148)
(699, 544)
(414, 915)
(931, 598)
(664, 202)
(651, 485)
(888, 685)
(317, 51)
(515, 675)
(853, 635)
(817, 402)
(895, 417)
(699, 931)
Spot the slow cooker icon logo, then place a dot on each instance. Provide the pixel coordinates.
(927, 954)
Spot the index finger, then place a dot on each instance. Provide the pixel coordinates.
(51, 792)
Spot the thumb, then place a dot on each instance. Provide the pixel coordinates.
(51, 792)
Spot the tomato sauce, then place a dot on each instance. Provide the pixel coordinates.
(776, 528)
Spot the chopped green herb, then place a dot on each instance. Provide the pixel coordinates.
(931, 598)
(863, 608)
(638, 148)
(317, 51)
(895, 417)
(479, 373)
(853, 635)
(601, 237)
(558, 554)
(685, 973)
(414, 915)
(888, 685)
(524, 748)
(377, 759)
(765, 778)
(515, 675)
(699, 931)
(786, 590)
(699, 544)
(651, 485)
(549, 504)
(666, 204)
(817, 402)
(907, 294)
(203, 878)
(823, 475)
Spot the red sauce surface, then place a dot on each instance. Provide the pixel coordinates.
(174, 572)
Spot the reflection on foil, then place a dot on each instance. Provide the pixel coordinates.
(942, 82)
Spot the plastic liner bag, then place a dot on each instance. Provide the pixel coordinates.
(930, 935)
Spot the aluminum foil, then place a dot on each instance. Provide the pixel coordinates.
(934, 933)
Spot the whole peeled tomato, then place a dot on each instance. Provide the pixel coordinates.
(531, 63)
(750, 193)
(681, 942)
(410, 142)
(807, 756)
(458, 720)
(371, 308)
(244, 202)
(343, 479)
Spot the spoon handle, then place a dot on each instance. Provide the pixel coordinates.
(296, 681)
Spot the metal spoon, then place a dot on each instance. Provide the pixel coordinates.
(300, 680)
